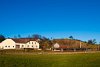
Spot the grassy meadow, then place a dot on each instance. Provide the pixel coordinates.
(50, 60)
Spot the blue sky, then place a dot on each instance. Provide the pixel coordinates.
(51, 18)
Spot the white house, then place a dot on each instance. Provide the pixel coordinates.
(56, 45)
(19, 43)
(59, 47)
(7, 44)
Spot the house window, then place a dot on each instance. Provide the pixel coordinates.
(8, 46)
(32, 45)
(22, 45)
(5, 46)
(27, 45)
(32, 42)
(35, 42)
(13, 46)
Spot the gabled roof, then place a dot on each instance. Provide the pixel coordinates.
(56, 45)
(23, 40)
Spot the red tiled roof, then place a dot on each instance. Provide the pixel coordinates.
(23, 40)
(63, 46)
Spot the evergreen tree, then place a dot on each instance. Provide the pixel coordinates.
(2, 38)
(71, 37)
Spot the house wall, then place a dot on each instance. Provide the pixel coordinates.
(20, 45)
(0, 46)
(56, 45)
(32, 44)
(7, 44)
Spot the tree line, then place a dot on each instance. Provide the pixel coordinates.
(47, 43)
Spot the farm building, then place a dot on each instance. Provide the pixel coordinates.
(69, 45)
(19, 43)
(59, 47)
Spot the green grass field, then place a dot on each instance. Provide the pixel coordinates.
(50, 60)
